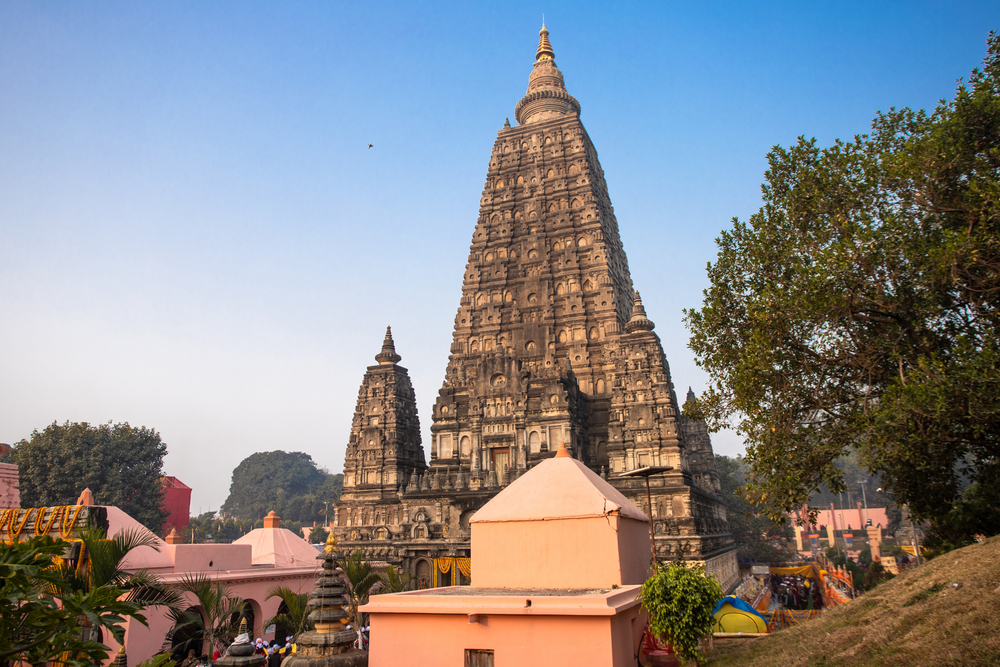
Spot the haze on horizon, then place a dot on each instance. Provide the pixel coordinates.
(195, 236)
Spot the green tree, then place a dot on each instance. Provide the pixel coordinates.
(317, 535)
(296, 619)
(42, 612)
(858, 309)
(121, 465)
(265, 481)
(750, 529)
(679, 601)
(216, 623)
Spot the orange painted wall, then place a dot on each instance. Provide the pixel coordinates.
(593, 552)
(423, 640)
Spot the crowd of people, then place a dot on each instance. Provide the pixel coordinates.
(796, 593)
(274, 650)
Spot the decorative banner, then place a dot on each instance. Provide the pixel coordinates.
(848, 540)
(814, 540)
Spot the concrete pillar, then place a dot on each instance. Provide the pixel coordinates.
(875, 542)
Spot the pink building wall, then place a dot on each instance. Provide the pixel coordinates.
(143, 643)
(422, 640)
(592, 552)
(855, 517)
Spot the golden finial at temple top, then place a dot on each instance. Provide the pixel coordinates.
(331, 542)
(544, 47)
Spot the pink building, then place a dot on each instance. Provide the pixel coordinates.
(850, 518)
(557, 561)
(264, 558)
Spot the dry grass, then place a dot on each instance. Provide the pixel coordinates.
(918, 618)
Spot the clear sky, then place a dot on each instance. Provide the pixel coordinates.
(195, 237)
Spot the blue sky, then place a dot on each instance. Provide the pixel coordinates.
(194, 236)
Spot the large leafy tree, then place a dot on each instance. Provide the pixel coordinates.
(858, 309)
(120, 464)
(286, 482)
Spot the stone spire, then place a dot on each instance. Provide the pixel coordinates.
(330, 644)
(546, 97)
(388, 355)
(329, 601)
(639, 322)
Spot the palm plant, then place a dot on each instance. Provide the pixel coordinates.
(394, 580)
(217, 622)
(104, 558)
(296, 619)
(361, 577)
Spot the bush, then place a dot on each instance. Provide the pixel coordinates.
(865, 557)
(875, 575)
(679, 601)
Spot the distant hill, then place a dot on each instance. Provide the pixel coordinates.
(919, 618)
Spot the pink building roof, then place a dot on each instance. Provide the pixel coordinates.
(279, 547)
(558, 488)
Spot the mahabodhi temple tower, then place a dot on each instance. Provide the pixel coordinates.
(551, 346)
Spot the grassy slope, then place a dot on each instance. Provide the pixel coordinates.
(916, 619)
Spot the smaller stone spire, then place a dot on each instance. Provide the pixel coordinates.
(690, 395)
(544, 51)
(121, 660)
(546, 97)
(388, 355)
(639, 322)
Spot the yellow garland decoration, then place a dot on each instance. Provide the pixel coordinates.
(15, 534)
(64, 532)
(56, 511)
(464, 566)
(445, 564)
(4, 518)
(80, 559)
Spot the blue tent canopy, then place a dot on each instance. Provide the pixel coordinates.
(738, 603)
